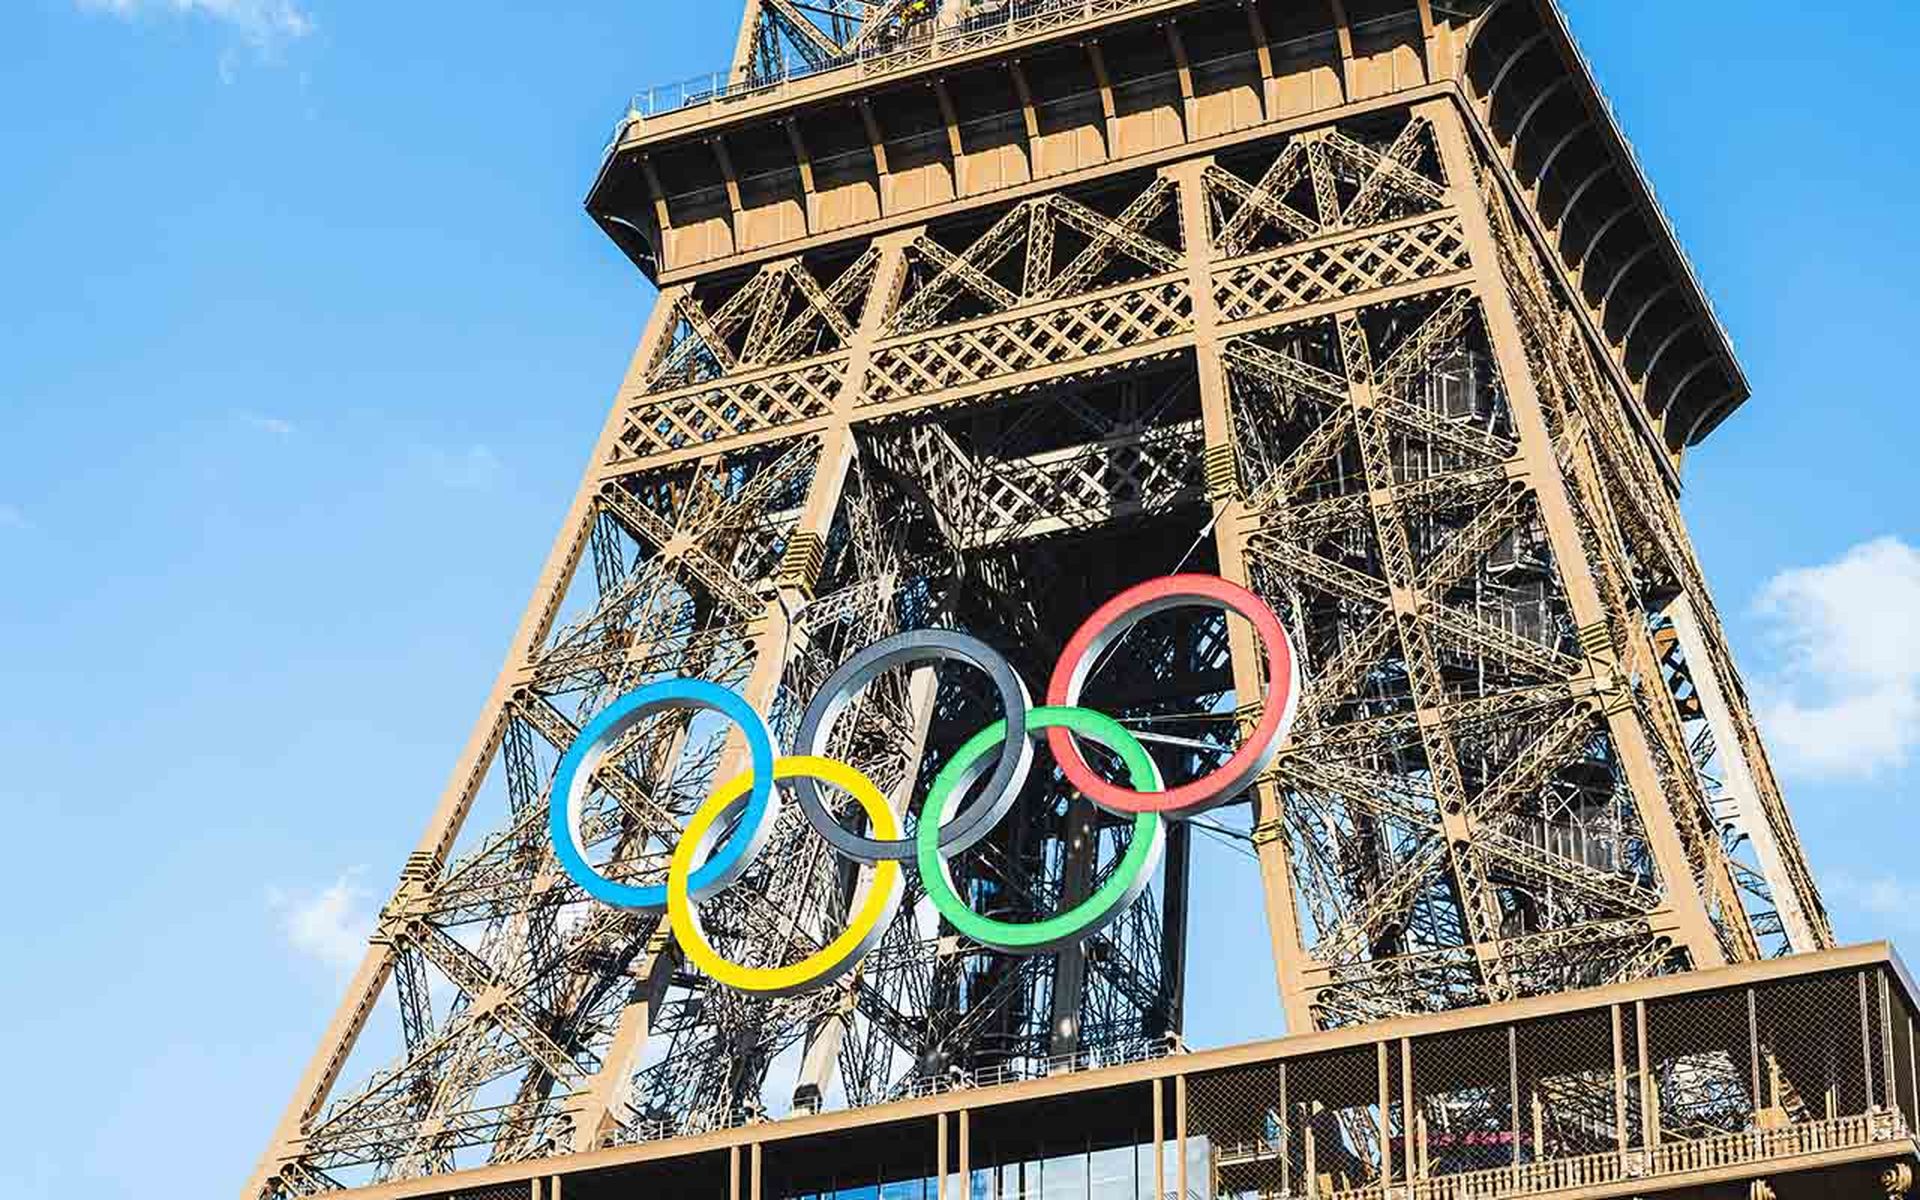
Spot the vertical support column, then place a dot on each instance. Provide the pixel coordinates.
(1750, 814)
(1866, 1042)
(1413, 1134)
(1513, 1088)
(1173, 926)
(966, 1156)
(743, 47)
(1385, 1081)
(1070, 964)
(606, 1095)
(1614, 1016)
(1286, 1135)
(1310, 1151)
(1649, 1087)
(1913, 1071)
(1180, 1133)
(1549, 485)
(1478, 902)
(799, 574)
(941, 1154)
(1159, 1139)
(1889, 1081)
(1231, 528)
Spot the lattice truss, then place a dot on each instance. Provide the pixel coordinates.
(724, 370)
(1446, 679)
(1705, 738)
(506, 985)
(1056, 279)
(1456, 816)
(1454, 805)
(1058, 286)
(797, 37)
(802, 36)
(513, 993)
(1017, 422)
(945, 521)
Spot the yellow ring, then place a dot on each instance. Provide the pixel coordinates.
(881, 898)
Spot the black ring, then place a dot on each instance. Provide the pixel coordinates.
(975, 819)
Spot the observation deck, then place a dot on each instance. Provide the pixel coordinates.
(950, 118)
(1781, 1080)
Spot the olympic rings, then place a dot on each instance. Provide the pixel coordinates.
(1108, 625)
(583, 758)
(1121, 888)
(975, 820)
(871, 912)
(708, 858)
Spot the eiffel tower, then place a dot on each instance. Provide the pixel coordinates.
(971, 314)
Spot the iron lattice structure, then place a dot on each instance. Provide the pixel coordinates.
(1378, 320)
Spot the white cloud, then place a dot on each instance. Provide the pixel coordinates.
(1847, 703)
(470, 469)
(13, 518)
(266, 424)
(330, 926)
(1881, 896)
(263, 22)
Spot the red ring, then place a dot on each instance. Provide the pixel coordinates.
(1108, 624)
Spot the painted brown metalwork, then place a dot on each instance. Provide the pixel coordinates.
(973, 313)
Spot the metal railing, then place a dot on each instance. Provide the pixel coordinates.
(883, 55)
(1596, 1170)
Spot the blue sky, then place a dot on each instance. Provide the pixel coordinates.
(304, 341)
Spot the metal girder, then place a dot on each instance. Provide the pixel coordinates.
(814, 42)
(962, 437)
(1264, 199)
(1107, 232)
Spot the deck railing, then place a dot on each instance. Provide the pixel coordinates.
(884, 55)
(1749, 1147)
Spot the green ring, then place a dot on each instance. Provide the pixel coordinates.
(1091, 914)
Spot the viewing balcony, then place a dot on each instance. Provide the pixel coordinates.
(892, 54)
(1781, 1080)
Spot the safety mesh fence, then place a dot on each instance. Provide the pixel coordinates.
(1233, 1119)
(499, 1191)
(1591, 1097)
(1815, 1058)
(1333, 1121)
(1566, 1094)
(1903, 1050)
(1464, 1114)
(1698, 1053)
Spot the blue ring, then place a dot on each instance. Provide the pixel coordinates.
(575, 774)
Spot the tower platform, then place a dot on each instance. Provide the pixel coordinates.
(1781, 1080)
(973, 316)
